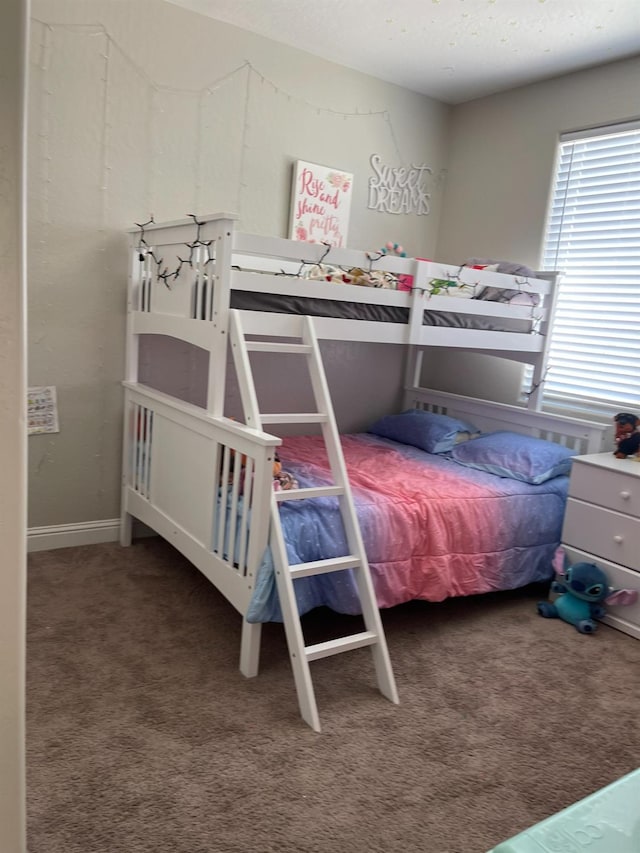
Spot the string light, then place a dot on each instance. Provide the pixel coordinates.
(436, 286)
(164, 274)
(99, 29)
(536, 385)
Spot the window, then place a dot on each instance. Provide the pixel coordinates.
(593, 238)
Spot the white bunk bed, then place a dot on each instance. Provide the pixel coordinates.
(205, 482)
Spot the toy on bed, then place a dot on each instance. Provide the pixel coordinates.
(355, 275)
(282, 480)
(627, 435)
(583, 591)
(393, 249)
(405, 282)
(493, 294)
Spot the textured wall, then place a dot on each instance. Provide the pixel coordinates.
(13, 22)
(141, 107)
(500, 178)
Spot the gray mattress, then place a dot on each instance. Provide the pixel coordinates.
(314, 307)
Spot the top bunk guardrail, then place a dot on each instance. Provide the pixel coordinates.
(196, 269)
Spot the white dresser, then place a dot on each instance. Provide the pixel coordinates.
(602, 525)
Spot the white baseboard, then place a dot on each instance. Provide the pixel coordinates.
(83, 533)
(67, 535)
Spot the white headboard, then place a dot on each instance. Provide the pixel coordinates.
(581, 436)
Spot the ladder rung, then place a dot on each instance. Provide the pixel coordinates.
(322, 567)
(311, 492)
(341, 644)
(271, 346)
(295, 418)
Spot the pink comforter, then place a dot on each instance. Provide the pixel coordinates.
(431, 527)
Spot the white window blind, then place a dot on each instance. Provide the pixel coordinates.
(593, 238)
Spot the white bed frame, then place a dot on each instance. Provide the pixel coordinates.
(177, 455)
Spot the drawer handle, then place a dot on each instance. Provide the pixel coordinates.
(625, 495)
(618, 539)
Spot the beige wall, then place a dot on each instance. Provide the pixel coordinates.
(198, 116)
(12, 427)
(500, 176)
(142, 107)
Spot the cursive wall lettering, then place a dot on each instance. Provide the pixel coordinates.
(398, 189)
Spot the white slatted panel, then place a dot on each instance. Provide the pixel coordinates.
(593, 236)
(183, 477)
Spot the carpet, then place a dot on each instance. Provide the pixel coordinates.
(143, 737)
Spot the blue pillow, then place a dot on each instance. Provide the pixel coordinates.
(520, 457)
(431, 432)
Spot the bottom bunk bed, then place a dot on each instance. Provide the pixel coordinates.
(432, 527)
(435, 524)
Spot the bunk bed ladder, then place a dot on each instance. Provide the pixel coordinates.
(373, 635)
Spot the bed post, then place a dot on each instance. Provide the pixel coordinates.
(222, 235)
(138, 275)
(534, 401)
(416, 314)
(250, 648)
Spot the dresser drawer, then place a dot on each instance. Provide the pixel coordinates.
(603, 532)
(627, 617)
(617, 490)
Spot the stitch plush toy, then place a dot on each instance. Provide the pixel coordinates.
(584, 591)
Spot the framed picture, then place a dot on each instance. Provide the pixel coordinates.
(320, 204)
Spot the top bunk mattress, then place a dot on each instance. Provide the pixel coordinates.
(344, 310)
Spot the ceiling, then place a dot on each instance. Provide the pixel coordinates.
(451, 50)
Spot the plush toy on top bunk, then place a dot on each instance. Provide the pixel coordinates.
(583, 591)
(404, 282)
(355, 275)
(627, 437)
(514, 297)
(363, 278)
(390, 248)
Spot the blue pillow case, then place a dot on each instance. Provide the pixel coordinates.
(428, 431)
(519, 457)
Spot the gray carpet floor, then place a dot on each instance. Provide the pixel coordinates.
(143, 737)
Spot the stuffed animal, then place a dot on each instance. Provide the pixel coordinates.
(583, 591)
(355, 275)
(394, 248)
(627, 435)
(282, 480)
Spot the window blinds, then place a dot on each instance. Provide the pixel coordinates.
(593, 237)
